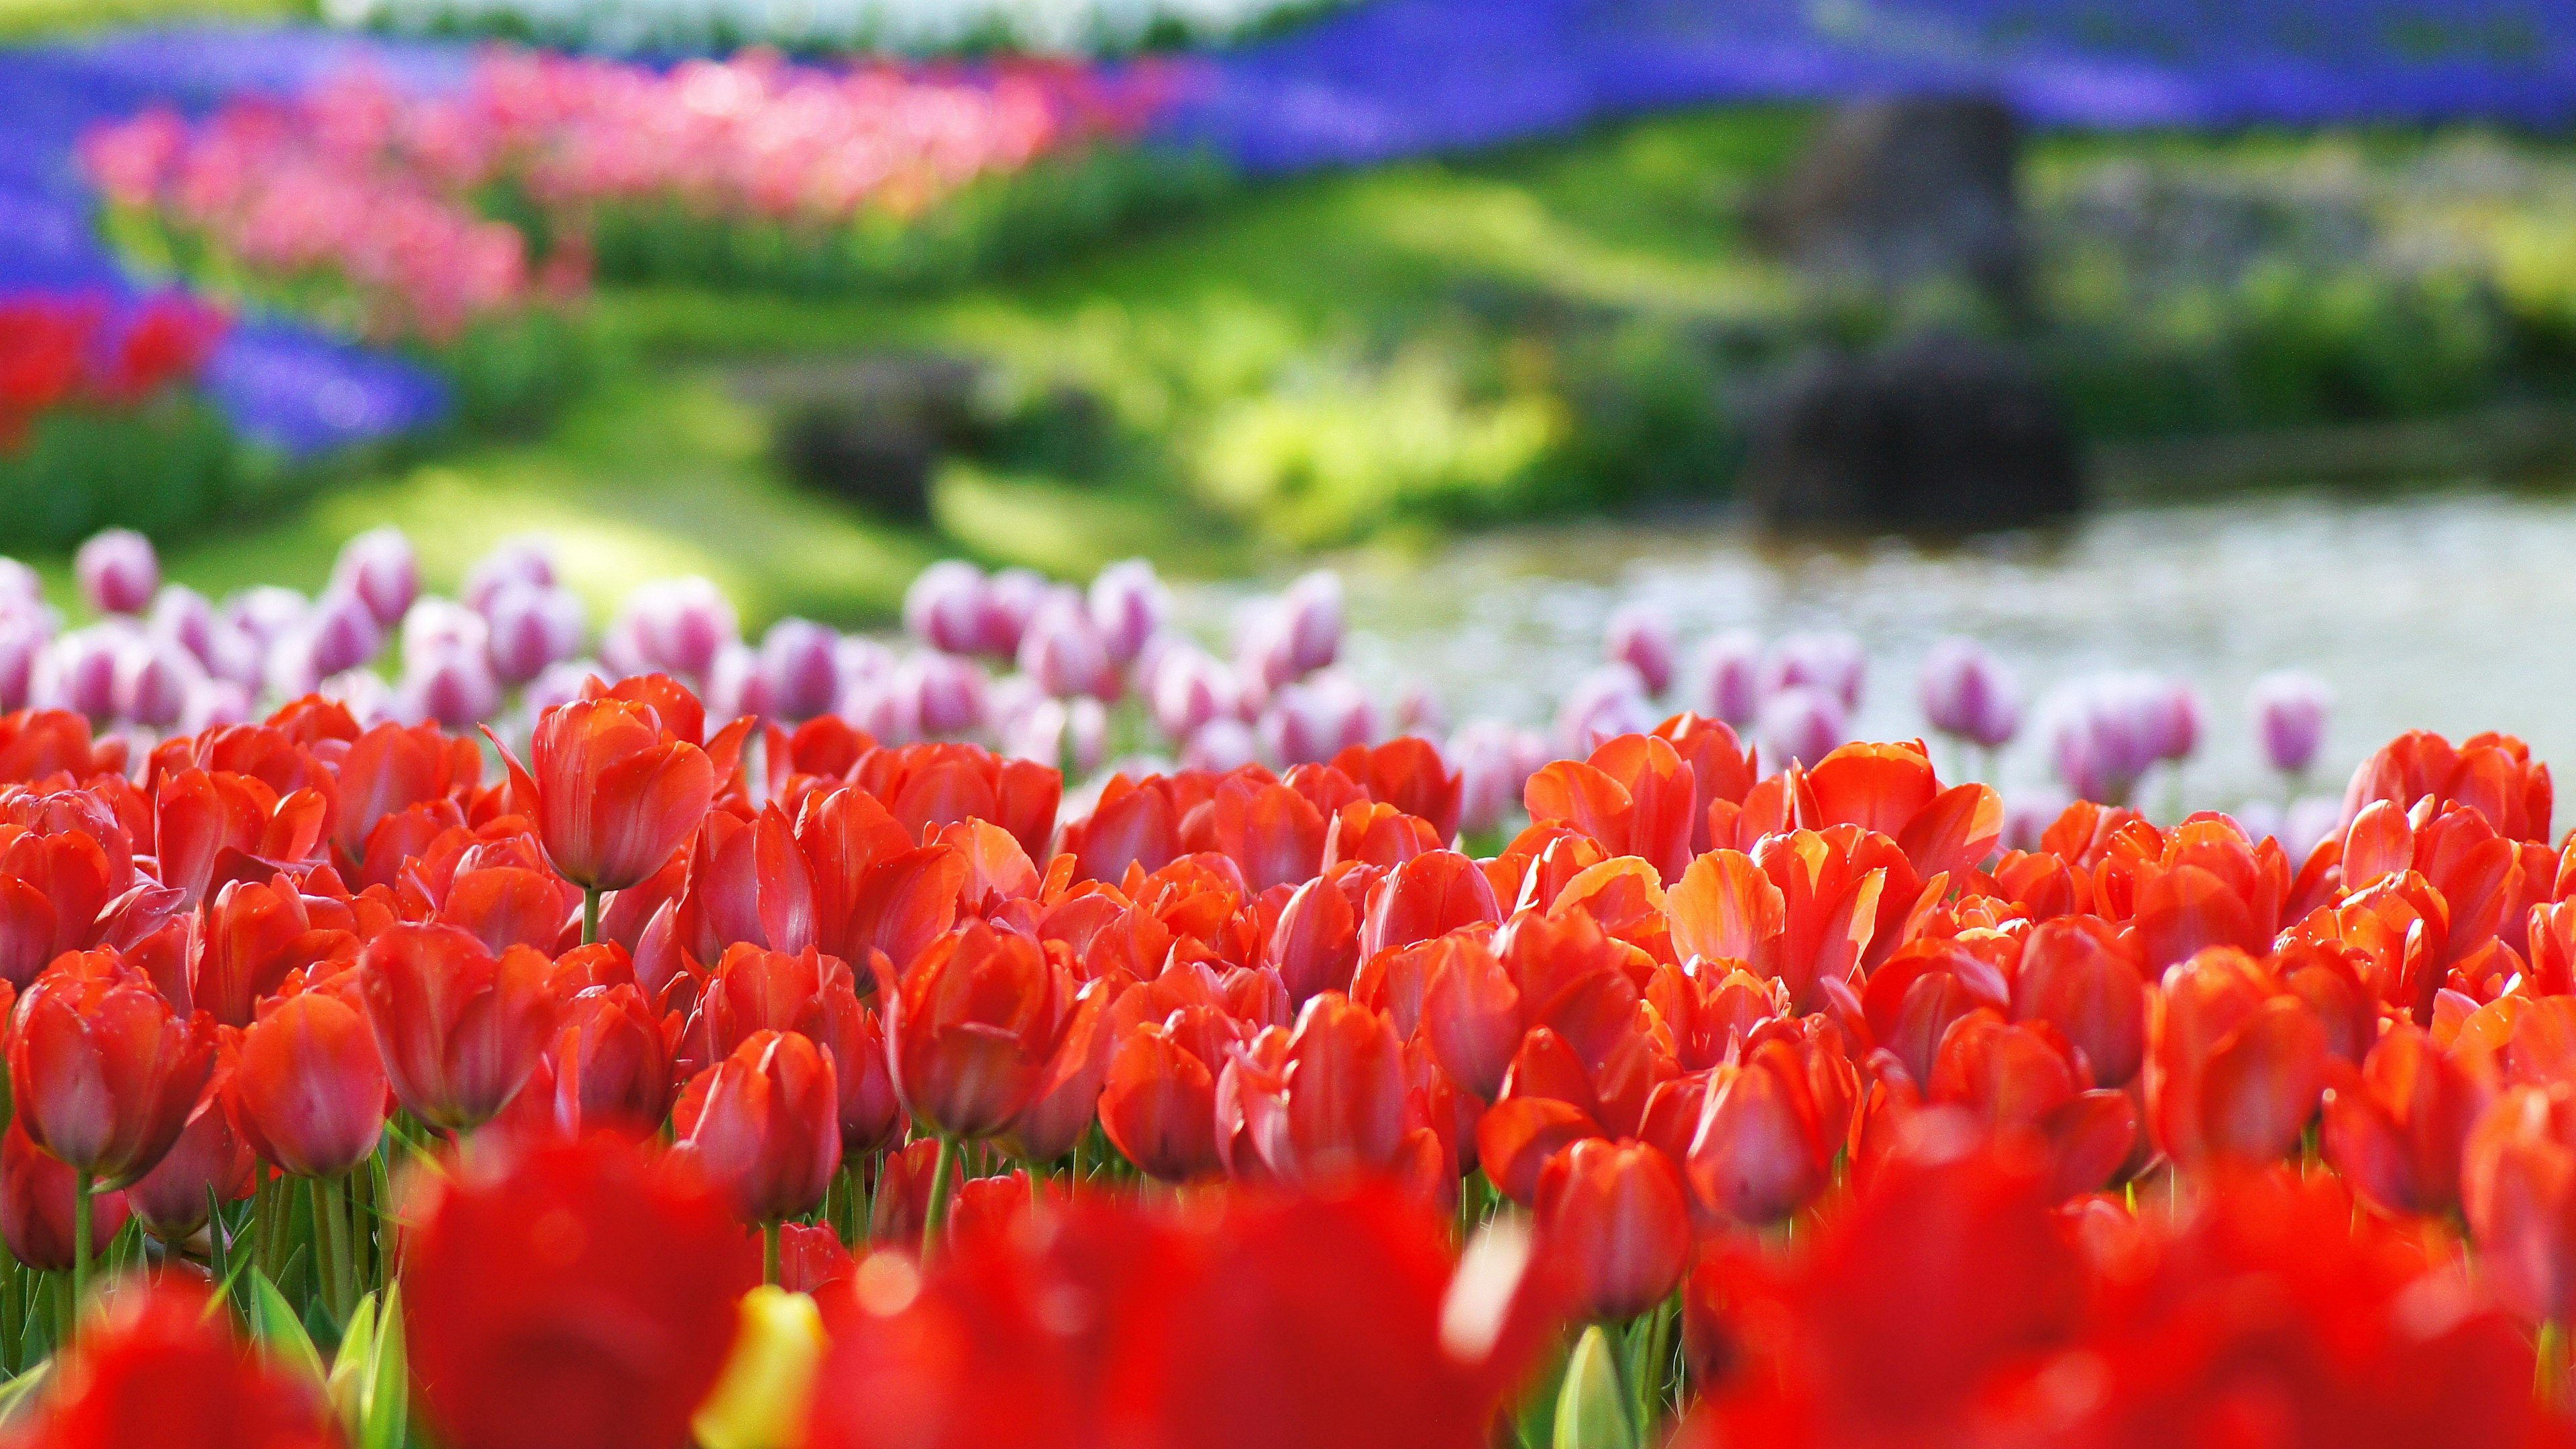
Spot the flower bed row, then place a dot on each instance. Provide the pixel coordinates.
(903, 27)
(1789, 1104)
(411, 216)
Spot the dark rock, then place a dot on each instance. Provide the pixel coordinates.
(1942, 434)
(870, 428)
(1895, 193)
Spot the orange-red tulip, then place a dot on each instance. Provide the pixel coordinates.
(160, 1365)
(2237, 1062)
(458, 1028)
(2518, 1184)
(1318, 1105)
(171, 1200)
(36, 1206)
(614, 794)
(103, 1074)
(1770, 1130)
(1158, 1105)
(1615, 1219)
(570, 1295)
(610, 1065)
(763, 1125)
(2397, 1132)
(974, 1029)
(308, 1091)
(257, 932)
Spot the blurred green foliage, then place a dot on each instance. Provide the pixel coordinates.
(160, 466)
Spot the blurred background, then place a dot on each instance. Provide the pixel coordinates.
(2151, 344)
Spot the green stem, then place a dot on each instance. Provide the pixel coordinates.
(942, 1184)
(2549, 1366)
(87, 1184)
(326, 1245)
(589, 915)
(769, 1254)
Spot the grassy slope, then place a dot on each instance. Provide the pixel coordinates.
(662, 471)
(25, 18)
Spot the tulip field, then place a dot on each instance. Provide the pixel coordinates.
(1051, 1028)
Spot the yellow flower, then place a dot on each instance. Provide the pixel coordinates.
(768, 1382)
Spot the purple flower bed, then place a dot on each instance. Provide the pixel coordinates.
(1403, 77)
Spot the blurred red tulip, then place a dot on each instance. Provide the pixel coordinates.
(2397, 1131)
(1770, 1130)
(102, 1073)
(901, 1203)
(613, 793)
(36, 1206)
(570, 1295)
(974, 1030)
(1158, 1106)
(457, 1028)
(2518, 1185)
(308, 1091)
(1614, 1218)
(160, 1365)
(208, 1157)
(810, 1255)
(2237, 1062)
(763, 1126)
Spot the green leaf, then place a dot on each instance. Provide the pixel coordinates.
(1591, 1410)
(274, 1324)
(18, 1393)
(388, 1417)
(352, 1364)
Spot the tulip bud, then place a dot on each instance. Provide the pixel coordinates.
(1419, 710)
(531, 626)
(737, 687)
(1189, 688)
(1219, 745)
(1294, 730)
(1607, 702)
(763, 1125)
(681, 624)
(457, 1028)
(1726, 677)
(1489, 778)
(102, 1073)
(452, 689)
(118, 571)
(944, 607)
(308, 1092)
(341, 633)
(525, 562)
(1311, 620)
(973, 1029)
(211, 702)
(801, 662)
(560, 684)
(22, 589)
(1064, 653)
(184, 617)
(943, 693)
(152, 681)
(1967, 695)
(2290, 718)
(22, 644)
(2175, 728)
(1830, 661)
(1009, 600)
(37, 1208)
(1616, 1218)
(266, 613)
(79, 672)
(1158, 1106)
(381, 570)
(208, 1158)
(1800, 723)
(435, 626)
(615, 794)
(1642, 639)
(1128, 604)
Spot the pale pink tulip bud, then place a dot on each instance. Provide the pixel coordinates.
(365, 694)
(532, 626)
(1128, 604)
(1532, 751)
(21, 587)
(1009, 600)
(2104, 734)
(381, 569)
(858, 659)
(434, 628)
(266, 613)
(1968, 695)
(79, 672)
(1605, 703)
(1224, 743)
(1831, 661)
(681, 624)
(525, 561)
(235, 655)
(342, 633)
(946, 692)
(1264, 656)
(22, 641)
(944, 607)
(183, 616)
(454, 689)
(1069, 735)
(1064, 653)
(1310, 615)
(2290, 718)
(152, 679)
(798, 656)
(738, 686)
(118, 571)
(212, 701)
(2027, 818)
(2307, 823)
(1010, 699)
(1726, 677)
(1344, 711)
(1801, 722)
(1485, 755)
(1641, 638)
(2176, 721)
(885, 708)
(1294, 729)
(621, 648)
(1189, 690)
(1086, 735)
(560, 684)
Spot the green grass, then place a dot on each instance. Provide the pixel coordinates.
(25, 19)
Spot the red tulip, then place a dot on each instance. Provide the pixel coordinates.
(1158, 1106)
(207, 822)
(945, 784)
(610, 1064)
(2077, 975)
(1616, 1219)
(570, 1295)
(255, 934)
(161, 1366)
(458, 1029)
(763, 1125)
(1770, 1131)
(103, 1074)
(2237, 1062)
(1409, 774)
(308, 1092)
(1320, 1104)
(901, 1205)
(2518, 1183)
(974, 1029)
(36, 1206)
(390, 769)
(1059, 1115)
(170, 1200)
(810, 1255)
(613, 793)
(2016, 1078)
(2398, 1131)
